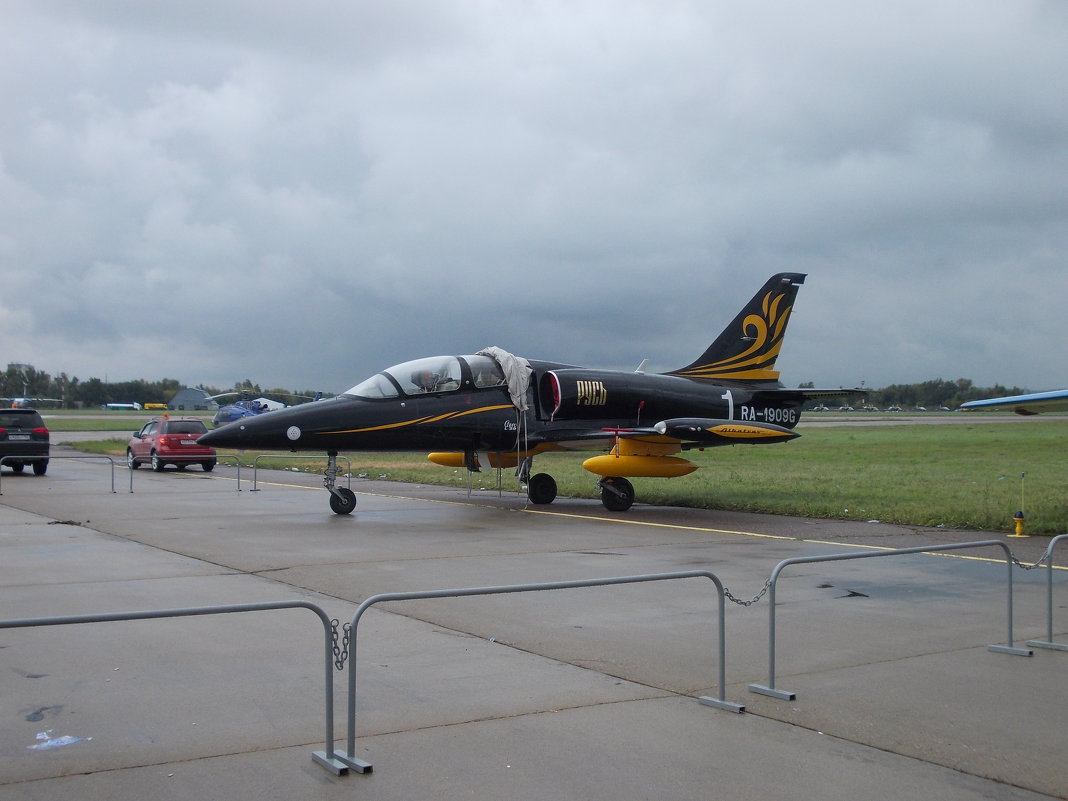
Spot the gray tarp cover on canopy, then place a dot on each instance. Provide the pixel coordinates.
(516, 373)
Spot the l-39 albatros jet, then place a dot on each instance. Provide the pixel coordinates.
(493, 408)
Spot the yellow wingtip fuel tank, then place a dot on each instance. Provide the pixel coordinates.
(447, 459)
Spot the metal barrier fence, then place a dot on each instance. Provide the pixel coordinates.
(324, 757)
(361, 766)
(237, 461)
(306, 457)
(770, 689)
(1048, 559)
(218, 457)
(340, 763)
(51, 457)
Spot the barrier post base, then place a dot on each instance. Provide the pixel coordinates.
(352, 762)
(1008, 649)
(718, 703)
(782, 695)
(1053, 646)
(339, 764)
(331, 763)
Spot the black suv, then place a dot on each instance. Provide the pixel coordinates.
(23, 440)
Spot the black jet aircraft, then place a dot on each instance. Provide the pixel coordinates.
(496, 409)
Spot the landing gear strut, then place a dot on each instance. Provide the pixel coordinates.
(342, 499)
(617, 494)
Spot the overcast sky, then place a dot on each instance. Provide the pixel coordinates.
(305, 193)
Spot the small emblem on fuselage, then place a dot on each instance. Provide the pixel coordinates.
(293, 433)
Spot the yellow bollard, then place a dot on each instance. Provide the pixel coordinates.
(1018, 519)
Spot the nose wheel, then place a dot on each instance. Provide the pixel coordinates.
(342, 499)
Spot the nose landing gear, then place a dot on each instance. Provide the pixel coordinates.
(342, 499)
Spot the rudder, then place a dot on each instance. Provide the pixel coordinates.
(747, 348)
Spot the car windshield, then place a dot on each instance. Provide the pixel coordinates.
(418, 377)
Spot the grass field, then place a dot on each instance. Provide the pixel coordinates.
(963, 475)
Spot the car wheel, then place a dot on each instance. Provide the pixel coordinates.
(131, 460)
(157, 463)
(207, 466)
(17, 467)
(40, 468)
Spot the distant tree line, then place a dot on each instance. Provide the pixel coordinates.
(26, 381)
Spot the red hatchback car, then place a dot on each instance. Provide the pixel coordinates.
(170, 440)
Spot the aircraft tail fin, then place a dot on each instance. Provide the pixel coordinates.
(748, 347)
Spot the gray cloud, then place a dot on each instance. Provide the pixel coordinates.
(306, 194)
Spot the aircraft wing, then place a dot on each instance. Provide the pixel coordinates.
(807, 394)
(1033, 403)
(584, 439)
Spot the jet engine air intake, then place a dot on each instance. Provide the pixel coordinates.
(589, 395)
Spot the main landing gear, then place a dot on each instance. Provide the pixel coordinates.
(541, 487)
(342, 499)
(617, 494)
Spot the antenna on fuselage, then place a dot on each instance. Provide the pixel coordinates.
(640, 369)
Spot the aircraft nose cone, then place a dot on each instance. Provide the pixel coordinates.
(216, 438)
(248, 432)
(289, 429)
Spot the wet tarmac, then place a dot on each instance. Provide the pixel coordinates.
(580, 693)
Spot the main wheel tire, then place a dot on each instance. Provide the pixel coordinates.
(131, 460)
(342, 501)
(157, 463)
(541, 488)
(617, 494)
(40, 468)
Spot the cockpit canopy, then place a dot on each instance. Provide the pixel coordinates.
(433, 374)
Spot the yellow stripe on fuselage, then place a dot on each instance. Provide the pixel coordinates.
(419, 421)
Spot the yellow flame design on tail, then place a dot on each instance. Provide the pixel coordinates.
(764, 332)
